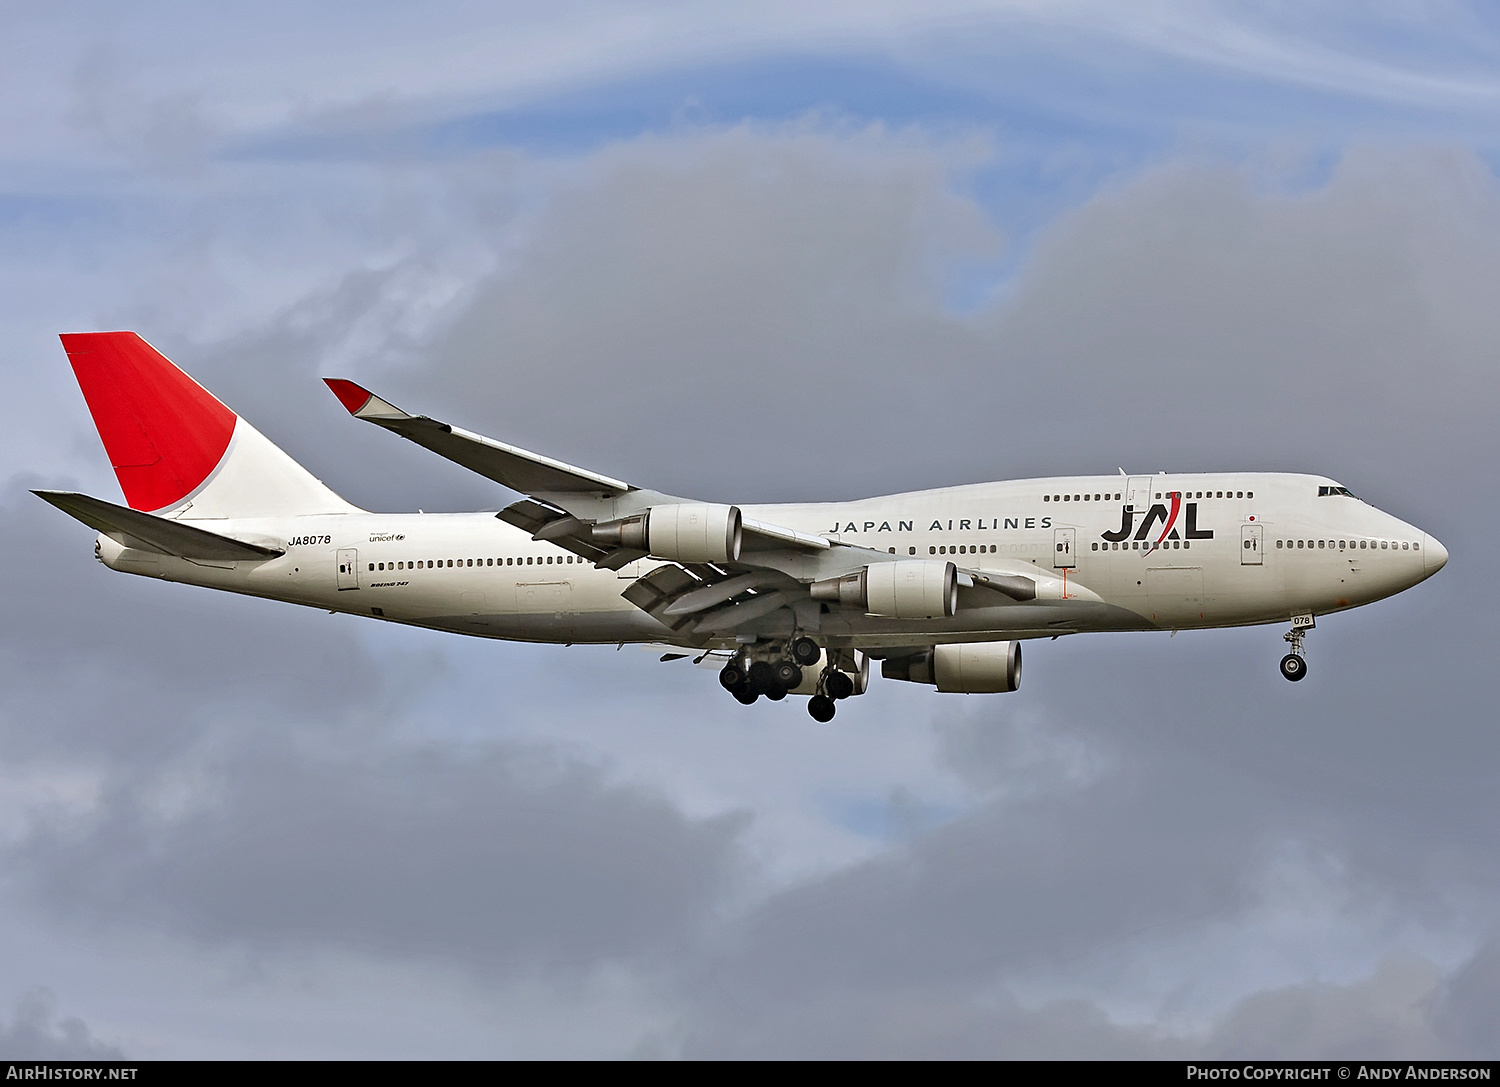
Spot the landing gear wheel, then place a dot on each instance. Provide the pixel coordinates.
(731, 676)
(805, 651)
(1293, 667)
(762, 677)
(776, 694)
(788, 675)
(838, 685)
(744, 695)
(821, 708)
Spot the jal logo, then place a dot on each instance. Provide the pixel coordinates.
(1160, 514)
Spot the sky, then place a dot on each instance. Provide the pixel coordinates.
(753, 252)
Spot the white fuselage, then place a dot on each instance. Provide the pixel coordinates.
(1229, 549)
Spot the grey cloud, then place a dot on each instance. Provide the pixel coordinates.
(253, 787)
(1466, 1006)
(1384, 1017)
(755, 315)
(1393, 1014)
(498, 860)
(738, 296)
(99, 664)
(749, 293)
(35, 1034)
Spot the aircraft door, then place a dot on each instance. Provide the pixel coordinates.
(1064, 546)
(348, 570)
(1250, 545)
(1138, 493)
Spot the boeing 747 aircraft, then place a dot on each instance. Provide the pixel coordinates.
(940, 586)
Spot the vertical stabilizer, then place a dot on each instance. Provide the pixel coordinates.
(175, 448)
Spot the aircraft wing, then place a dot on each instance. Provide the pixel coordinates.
(548, 481)
(696, 600)
(132, 528)
(518, 469)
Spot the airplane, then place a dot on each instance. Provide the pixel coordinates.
(941, 586)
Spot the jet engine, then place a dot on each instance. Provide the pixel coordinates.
(904, 589)
(965, 668)
(681, 532)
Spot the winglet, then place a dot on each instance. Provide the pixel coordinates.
(361, 402)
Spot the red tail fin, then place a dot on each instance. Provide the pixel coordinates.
(164, 432)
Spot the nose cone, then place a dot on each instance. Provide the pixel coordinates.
(1434, 555)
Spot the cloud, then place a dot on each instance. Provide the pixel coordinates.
(501, 863)
(1392, 1014)
(765, 312)
(227, 771)
(35, 1035)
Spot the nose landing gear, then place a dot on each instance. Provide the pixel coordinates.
(1294, 664)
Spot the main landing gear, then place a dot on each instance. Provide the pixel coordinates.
(747, 678)
(1294, 664)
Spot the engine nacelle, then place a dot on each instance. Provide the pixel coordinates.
(964, 668)
(681, 532)
(904, 589)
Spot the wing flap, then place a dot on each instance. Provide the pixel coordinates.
(132, 528)
(782, 537)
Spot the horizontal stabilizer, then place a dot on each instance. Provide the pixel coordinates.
(518, 469)
(132, 528)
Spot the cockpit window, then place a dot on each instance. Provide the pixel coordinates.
(1324, 492)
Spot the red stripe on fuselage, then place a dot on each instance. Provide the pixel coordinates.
(1171, 519)
(164, 432)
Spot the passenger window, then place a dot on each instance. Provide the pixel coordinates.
(372, 566)
(1046, 498)
(1095, 547)
(932, 551)
(911, 550)
(1249, 494)
(1320, 543)
(1278, 544)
